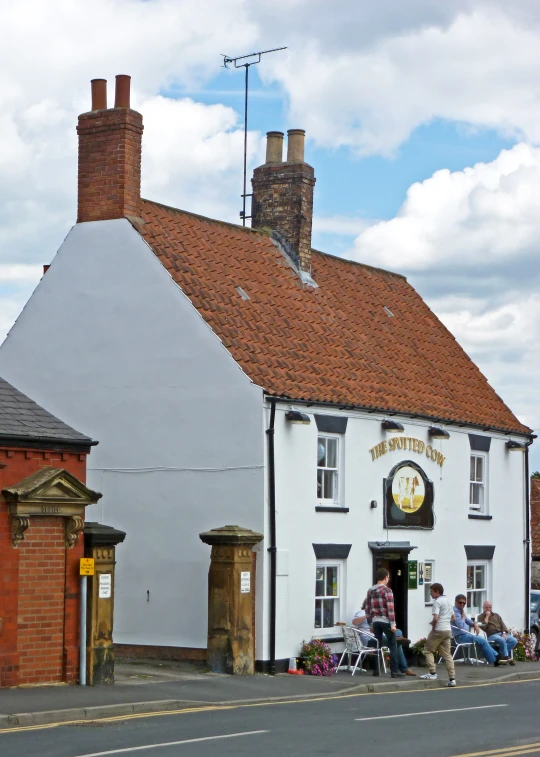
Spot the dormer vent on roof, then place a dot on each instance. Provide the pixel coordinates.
(283, 193)
(109, 182)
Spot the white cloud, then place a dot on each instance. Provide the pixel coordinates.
(484, 217)
(478, 67)
(503, 341)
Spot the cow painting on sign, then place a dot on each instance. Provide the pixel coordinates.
(408, 497)
(408, 489)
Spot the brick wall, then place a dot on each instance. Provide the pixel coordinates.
(20, 463)
(41, 601)
(535, 532)
(109, 180)
(283, 201)
(535, 516)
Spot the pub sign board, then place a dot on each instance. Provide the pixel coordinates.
(408, 497)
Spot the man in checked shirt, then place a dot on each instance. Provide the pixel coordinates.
(382, 618)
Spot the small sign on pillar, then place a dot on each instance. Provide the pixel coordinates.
(245, 582)
(105, 585)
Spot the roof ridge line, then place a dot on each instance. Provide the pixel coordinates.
(206, 218)
(357, 262)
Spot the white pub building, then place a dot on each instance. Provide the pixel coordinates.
(234, 375)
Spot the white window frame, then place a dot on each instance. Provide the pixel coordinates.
(337, 499)
(427, 596)
(474, 610)
(479, 508)
(338, 599)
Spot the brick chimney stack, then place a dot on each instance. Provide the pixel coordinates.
(109, 184)
(283, 193)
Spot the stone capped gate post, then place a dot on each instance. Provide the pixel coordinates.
(231, 599)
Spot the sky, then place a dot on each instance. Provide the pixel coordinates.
(422, 123)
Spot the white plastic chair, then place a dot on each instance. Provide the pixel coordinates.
(355, 647)
(468, 648)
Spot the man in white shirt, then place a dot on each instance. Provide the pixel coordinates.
(440, 635)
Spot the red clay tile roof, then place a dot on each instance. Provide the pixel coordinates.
(333, 344)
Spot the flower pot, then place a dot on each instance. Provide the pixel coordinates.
(418, 659)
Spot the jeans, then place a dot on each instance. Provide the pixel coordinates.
(386, 637)
(504, 646)
(402, 662)
(489, 653)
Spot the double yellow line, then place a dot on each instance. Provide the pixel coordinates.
(508, 751)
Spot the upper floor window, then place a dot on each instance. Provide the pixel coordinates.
(478, 483)
(328, 455)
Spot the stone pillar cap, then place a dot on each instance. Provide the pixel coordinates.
(231, 535)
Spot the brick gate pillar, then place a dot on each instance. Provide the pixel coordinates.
(231, 599)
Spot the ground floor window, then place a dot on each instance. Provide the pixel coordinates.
(327, 594)
(477, 586)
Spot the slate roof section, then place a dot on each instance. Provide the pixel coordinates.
(336, 343)
(23, 419)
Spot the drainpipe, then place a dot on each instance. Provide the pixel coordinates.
(272, 548)
(527, 539)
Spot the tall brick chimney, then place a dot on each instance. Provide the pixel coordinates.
(283, 193)
(109, 184)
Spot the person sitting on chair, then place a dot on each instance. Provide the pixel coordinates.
(360, 621)
(462, 635)
(497, 632)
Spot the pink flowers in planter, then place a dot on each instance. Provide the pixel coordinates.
(317, 658)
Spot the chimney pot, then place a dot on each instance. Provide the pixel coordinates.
(283, 194)
(122, 94)
(274, 147)
(99, 94)
(295, 145)
(109, 181)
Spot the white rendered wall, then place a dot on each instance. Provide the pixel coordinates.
(110, 344)
(299, 525)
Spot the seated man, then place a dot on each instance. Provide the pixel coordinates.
(461, 631)
(361, 622)
(497, 632)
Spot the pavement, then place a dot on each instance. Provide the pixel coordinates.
(151, 686)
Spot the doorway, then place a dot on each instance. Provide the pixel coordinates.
(396, 564)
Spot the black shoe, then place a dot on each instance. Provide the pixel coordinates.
(376, 673)
(398, 675)
(496, 663)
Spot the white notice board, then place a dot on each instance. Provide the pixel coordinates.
(245, 582)
(105, 585)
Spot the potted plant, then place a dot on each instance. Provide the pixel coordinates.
(418, 652)
(524, 650)
(317, 659)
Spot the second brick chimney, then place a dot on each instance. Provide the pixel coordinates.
(283, 194)
(109, 184)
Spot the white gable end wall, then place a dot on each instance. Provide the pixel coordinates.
(110, 344)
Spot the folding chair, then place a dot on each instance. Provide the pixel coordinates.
(355, 647)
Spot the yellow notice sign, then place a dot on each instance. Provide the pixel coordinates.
(87, 566)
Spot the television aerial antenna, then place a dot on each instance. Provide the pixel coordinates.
(227, 61)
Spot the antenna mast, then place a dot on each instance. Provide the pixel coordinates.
(226, 62)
